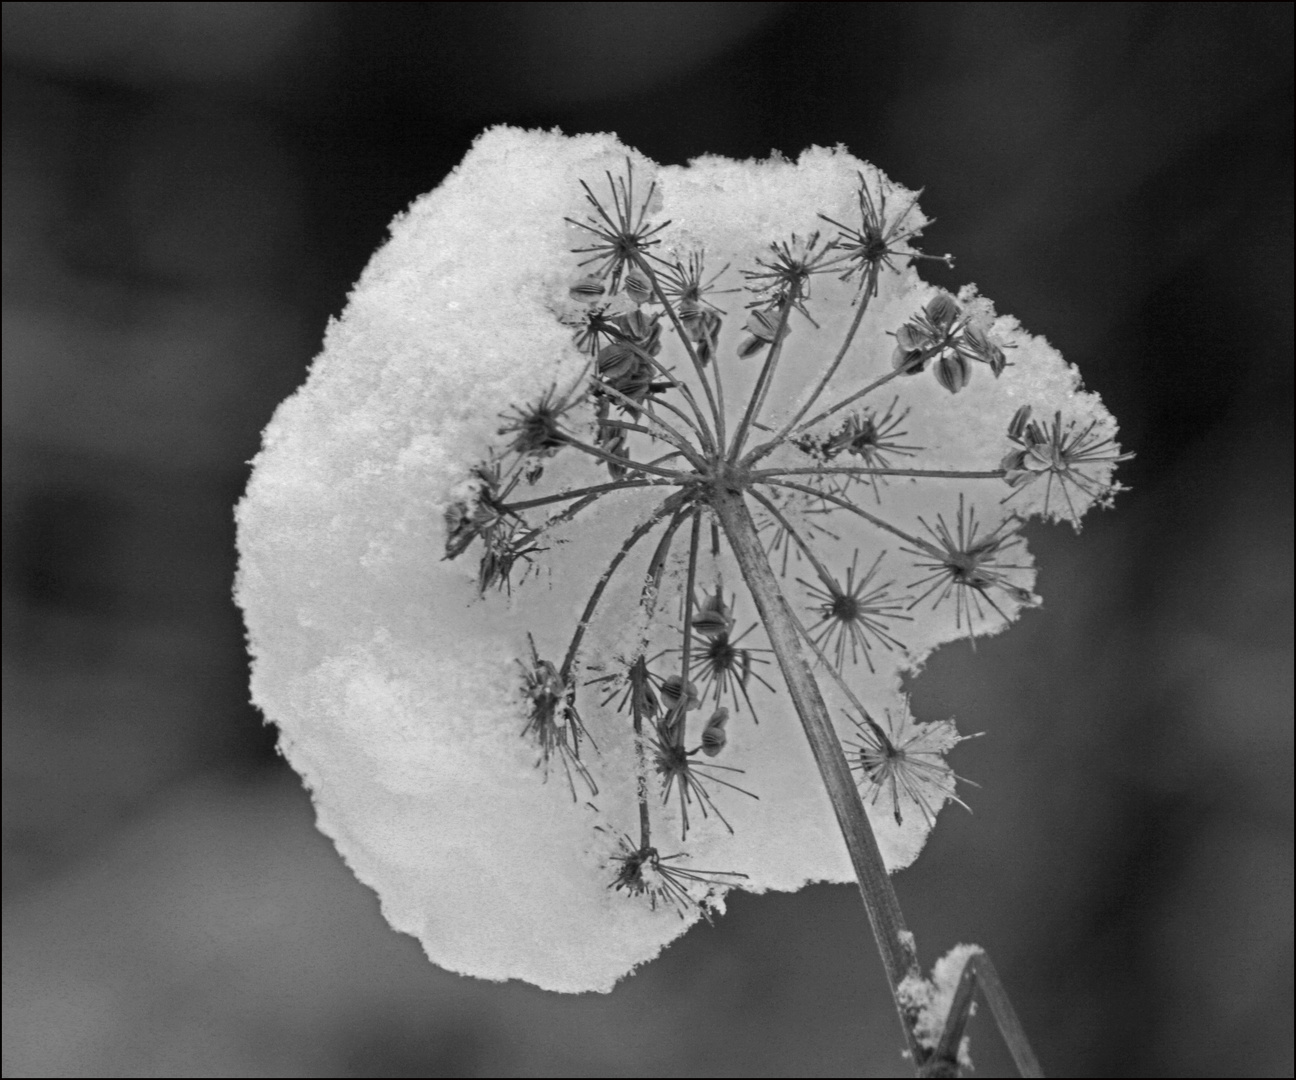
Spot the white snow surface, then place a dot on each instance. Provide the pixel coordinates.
(396, 687)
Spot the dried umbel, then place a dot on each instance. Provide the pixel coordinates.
(604, 462)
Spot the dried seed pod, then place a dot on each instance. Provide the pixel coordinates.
(1017, 425)
(675, 765)
(952, 371)
(976, 345)
(762, 330)
(636, 286)
(908, 361)
(713, 735)
(617, 359)
(763, 323)
(588, 288)
(911, 337)
(713, 617)
(942, 311)
(675, 691)
(642, 329)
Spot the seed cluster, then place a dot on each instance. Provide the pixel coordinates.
(640, 315)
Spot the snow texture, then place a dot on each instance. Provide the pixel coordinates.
(931, 999)
(398, 686)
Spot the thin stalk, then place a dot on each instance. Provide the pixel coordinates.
(597, 489)
(641, 770)
(629, 425)
(757, 399)
(640, 531)
(894, 941)
(678, 725)
(846, 504)
(649, 407)
(806, 425)
(806, 550)
(703, 433)
(848, 470)
(648, 601)
(628, 464)
(717, 410)
(860, 308)
(927, 354)
(665, 457)
(657, 564)
(675, 438)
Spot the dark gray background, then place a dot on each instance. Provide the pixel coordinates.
(189, 191)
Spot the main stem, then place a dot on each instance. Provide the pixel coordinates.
(894, 941)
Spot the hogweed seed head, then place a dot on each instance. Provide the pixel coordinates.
(621, 235)
(662, 879)
(783, 276)
(870, 247)
(481, 547)
(969, 566)
(855, 615)
(903, 764)
(1073, 454)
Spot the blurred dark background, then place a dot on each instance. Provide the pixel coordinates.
(189, 192)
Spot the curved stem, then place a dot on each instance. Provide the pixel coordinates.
(657, 564)
(671, 504)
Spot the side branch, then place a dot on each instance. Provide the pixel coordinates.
(670, 506)
(849, 470)
(866, 294)
(672, 435)
(716, 412)
(773, 444)
(598, 489)
(766, 376)
(806, 550)
(678, 723)
(629, 464)
(846, 504)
